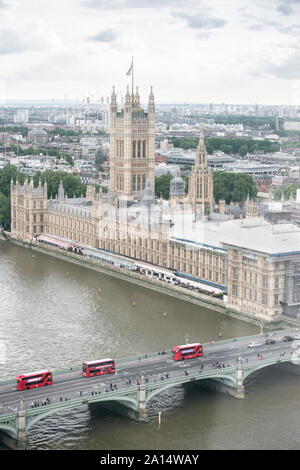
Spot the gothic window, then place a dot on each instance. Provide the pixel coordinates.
(144, 182)
(139, 183)
(134, 149)
(144, 149)
(234, 290)
(133, 183)
(139, 149)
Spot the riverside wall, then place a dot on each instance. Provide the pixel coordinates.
(164, 288)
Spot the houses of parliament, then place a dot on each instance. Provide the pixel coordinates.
(247, 257)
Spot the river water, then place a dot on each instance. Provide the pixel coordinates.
(53, 315)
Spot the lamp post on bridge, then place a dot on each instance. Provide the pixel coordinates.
(261, 327)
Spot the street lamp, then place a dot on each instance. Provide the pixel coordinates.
(261, 327)
(186, 339)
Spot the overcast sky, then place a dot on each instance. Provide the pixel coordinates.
(231, 51)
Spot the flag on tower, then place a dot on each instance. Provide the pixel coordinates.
(131, 67)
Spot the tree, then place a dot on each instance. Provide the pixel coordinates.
(4, 210)
(243, 186)
(7, 174)
(233, 186)
(72, 184)
(243, 150)
(162, 186)
(227, 149)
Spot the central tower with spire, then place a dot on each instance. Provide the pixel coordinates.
(201, 194)
(132, 146)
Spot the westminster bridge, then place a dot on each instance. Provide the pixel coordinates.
(224, 367)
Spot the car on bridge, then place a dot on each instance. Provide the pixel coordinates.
(253, 345)
(287, 338)
(270, 341)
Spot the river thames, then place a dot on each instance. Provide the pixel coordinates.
(55, 315)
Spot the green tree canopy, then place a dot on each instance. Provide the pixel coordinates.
(233, 186)
(72, 184)
(288, 191)
(4, 210)
(162, 186)
(237, 146)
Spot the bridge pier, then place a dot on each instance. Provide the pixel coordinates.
(140, 413)
(21, 426)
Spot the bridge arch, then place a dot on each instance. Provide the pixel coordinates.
(250, 371)
(224, 377)
(50, 411)
(9, 429)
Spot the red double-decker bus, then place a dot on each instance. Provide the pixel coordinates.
(187, 351)
(105, 366)
(34, 380)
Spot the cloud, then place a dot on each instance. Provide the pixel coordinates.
(263, 24)
(284, 7)
(289, 68)
(284, 10)
(127, 4)
(32, 36)
(200, 21)
(107, 35)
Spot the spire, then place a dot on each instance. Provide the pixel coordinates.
(113, 101)
(127, 97)
(151, 96)
(137, 97)
(151, 106)
(113, 95)
(201, 154)
(201, 138)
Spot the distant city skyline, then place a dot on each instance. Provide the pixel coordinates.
(233, 52)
